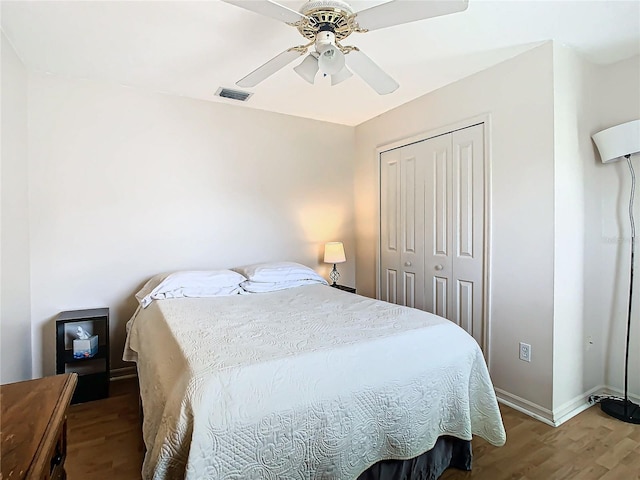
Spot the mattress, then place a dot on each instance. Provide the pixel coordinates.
(305, 383)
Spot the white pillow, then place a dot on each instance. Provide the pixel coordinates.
(278, 272)
(263, 287)
(204, 283)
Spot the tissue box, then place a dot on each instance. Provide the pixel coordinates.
(85, 348)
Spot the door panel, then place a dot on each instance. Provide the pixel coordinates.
(439, 183)
(409, 289)
(440, 296)
(464, 199)
(391, 286)
(464, 304)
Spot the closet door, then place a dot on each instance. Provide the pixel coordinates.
(432, 227)
(402, 227)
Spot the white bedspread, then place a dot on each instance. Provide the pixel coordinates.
(306, 383)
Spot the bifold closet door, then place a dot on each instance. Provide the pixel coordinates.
(432, 226)
(454, 236)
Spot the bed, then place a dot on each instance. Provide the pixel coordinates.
(307, 382)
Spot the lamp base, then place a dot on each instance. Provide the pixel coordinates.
(334, 275)
(626, 411)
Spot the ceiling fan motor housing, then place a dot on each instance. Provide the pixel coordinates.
(325, 38)
(335, 16)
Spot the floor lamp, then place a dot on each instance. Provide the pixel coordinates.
(613, 144)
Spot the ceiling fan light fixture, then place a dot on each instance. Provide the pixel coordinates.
(341, 76)
(308, 68)
(330, 58)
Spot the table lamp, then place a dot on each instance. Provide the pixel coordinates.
(334, 253)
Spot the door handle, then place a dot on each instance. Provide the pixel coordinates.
(439, 267)
(407, 264)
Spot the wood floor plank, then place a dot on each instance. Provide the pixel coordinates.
(105, 442)
(618, 451)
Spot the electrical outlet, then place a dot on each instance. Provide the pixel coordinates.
(525, 352)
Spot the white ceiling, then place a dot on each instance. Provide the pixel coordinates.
(192, 48)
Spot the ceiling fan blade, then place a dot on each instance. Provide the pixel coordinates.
(405, 11)
(371, 73)
(272, 66)
(269, 8)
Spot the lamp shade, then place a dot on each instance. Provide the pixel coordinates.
(308, 68)
(616, 142)
(331, 60)
(330, 57)
(334, 253)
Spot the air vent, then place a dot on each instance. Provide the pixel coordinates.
(233, 94)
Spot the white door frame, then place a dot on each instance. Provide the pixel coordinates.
(486, 293)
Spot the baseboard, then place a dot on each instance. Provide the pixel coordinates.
(123, 373)
(573, 407)
(562, 413)
(525, 406)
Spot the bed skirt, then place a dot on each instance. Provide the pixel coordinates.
(447, 452)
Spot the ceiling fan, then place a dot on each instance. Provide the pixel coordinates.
(325, 23)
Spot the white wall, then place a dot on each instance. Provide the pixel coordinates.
(616, 98)
(124, 184)
(572, 145)
(592, 230)
(518, 96)
(15, 308)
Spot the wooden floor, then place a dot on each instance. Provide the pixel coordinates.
(104, 439)
(104, 442)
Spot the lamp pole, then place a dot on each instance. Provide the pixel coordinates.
(626, 410)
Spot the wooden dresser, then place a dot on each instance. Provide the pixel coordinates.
(33, 427)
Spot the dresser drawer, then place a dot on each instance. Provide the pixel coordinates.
(57, 473)
(58, 455)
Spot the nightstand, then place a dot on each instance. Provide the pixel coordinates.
(344, 288)
(92, 367)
